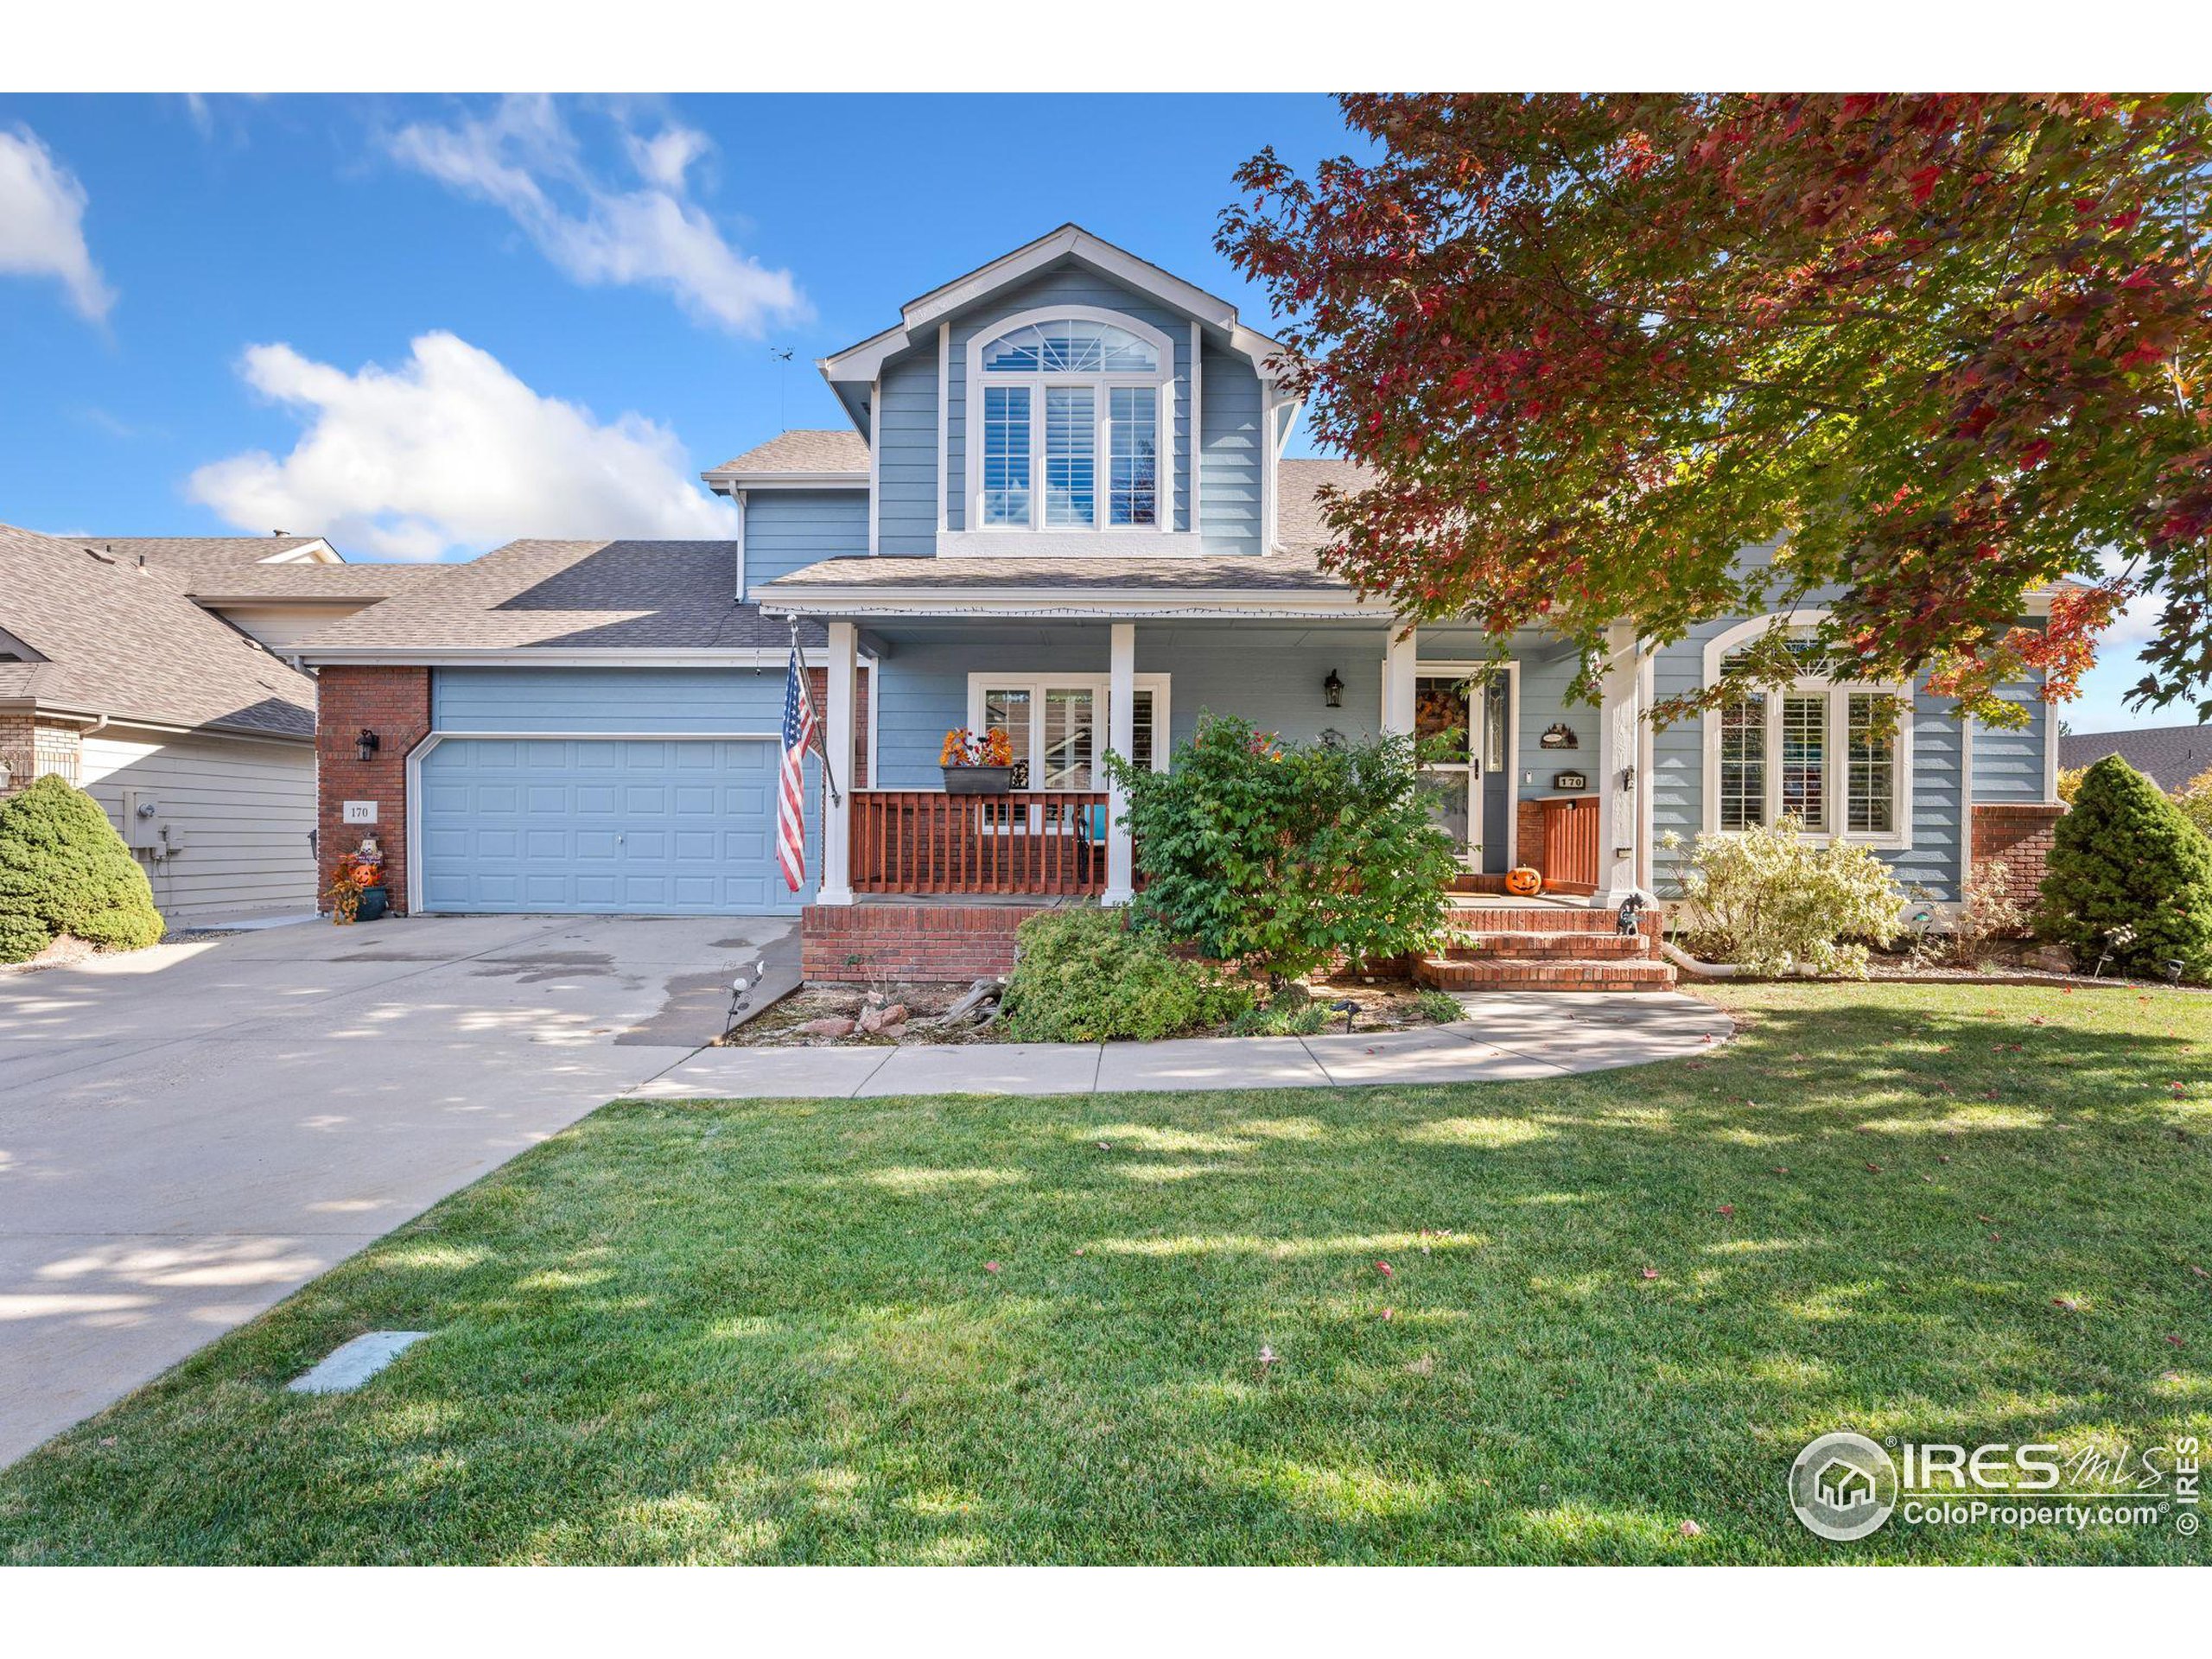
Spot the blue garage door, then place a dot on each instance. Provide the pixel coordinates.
(641, 826)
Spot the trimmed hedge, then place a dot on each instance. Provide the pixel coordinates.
(1086, 975)
(2129, 872)
(65, 871)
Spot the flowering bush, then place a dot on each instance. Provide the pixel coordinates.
(1773, 902)
(965, 748)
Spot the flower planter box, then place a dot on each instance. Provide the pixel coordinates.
(978, 780)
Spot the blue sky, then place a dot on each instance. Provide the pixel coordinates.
(427, 324)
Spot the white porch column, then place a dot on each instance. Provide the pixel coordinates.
(1621, 784)
(837, 743)
(1121, 738)
(1398, 659)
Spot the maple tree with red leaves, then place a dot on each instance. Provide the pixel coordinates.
(1940, 353)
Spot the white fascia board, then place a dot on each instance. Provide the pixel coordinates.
(317, 551)
(535, 656)
(720, 480)
(861, 363)
(1101, 601)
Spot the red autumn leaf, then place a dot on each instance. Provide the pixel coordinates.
(1691, 1529)
(1389, 1313)
(2198, 1271)
(990, 1267)
(1651, 1273)
(1724, 1210)
(2177, 1342)
(1385, 1269)
(1876, 1168)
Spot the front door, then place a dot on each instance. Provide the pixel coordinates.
(1459, 718)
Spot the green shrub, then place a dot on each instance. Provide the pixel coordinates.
(1284, 857)
(2128, 872)
(64, 870)
(1773, 902)
(1087, 976)
(1291, 1012)
(2194, 800)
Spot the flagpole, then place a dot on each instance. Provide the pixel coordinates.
(821, 748)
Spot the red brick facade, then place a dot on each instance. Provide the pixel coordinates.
(853, 944)
(395, 704)
(2020, 833)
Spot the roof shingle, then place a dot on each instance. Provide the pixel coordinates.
(121, 640)
(2169, 755)
(810, 450)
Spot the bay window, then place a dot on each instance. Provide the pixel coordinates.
(1078, 401)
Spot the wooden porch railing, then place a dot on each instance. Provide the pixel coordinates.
(1571, 841)
(923, 841)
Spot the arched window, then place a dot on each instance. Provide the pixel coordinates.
(1834, 753)
(1071, 414)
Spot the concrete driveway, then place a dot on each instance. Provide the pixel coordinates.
(188, 1134)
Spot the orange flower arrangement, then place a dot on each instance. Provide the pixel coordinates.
(965, 748)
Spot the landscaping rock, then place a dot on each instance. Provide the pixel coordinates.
(830, 1028)
(873, 1020)
(2052, 959)
(895, 1031)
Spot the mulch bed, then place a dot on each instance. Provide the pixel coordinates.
(1384, 1005)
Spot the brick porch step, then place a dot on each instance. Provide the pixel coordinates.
(1514, 945)
(1453, 974)
(1550, 919)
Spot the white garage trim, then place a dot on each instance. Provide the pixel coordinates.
(421, 751)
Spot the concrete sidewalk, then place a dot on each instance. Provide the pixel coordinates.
(1504, 1037)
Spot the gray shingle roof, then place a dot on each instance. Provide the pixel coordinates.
(199, 553)
(807, 451)
(1298, 516)
(305, 580)
(617, 595)
(2169, 755)
(123, 641)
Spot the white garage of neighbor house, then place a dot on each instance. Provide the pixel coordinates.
(572, 726)
(123, 670)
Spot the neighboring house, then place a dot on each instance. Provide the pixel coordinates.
(1062, 508)
(173, 710)
(2169, 755)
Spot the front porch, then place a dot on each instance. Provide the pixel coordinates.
(914, 877)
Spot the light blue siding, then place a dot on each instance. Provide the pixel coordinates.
(1068, 285)
(2008, 765)
(906, 459)
(788, 530)
(1231, 451)
(613, 823)
(638, 702)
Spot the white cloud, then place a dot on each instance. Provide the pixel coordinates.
(42, 223)
(451, 451)
(524, 157)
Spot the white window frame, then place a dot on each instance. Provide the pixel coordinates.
(1161, 381)
(1835, 758)
(1037, 684)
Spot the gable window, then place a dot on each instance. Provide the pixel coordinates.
(1056, 724)
(1077, 400)
(1829, 753)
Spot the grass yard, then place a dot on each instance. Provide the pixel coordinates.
(1015, 1329)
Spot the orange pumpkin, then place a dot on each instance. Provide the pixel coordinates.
(1523, 882)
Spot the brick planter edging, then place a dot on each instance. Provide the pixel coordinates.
(852, 944)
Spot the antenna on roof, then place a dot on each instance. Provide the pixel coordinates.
(782, 356)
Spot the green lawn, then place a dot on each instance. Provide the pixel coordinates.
(770, 1332)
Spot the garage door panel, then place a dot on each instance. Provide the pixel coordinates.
(605, 824)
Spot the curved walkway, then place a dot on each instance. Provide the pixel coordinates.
(1509, 1036)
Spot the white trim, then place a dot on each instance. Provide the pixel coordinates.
(1400, 672)
(875, 463)
(1196, 525)
(1836, 760)
(1101, 384)
(1966, 803)
(1511, 667)
(1108, 603)
(1007, 542)
(534, 656)
(1267, 457)
(722, 482)
(738, 498)
(862, 361)
(944, 427)
(411, 808)
(2050, 755)
(1121, 738)
(841, 660)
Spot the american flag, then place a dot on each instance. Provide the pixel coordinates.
(791, 807)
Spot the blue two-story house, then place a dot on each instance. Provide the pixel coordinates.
(1062, 510)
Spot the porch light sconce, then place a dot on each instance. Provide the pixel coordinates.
(1332, 690)
(366, 745)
